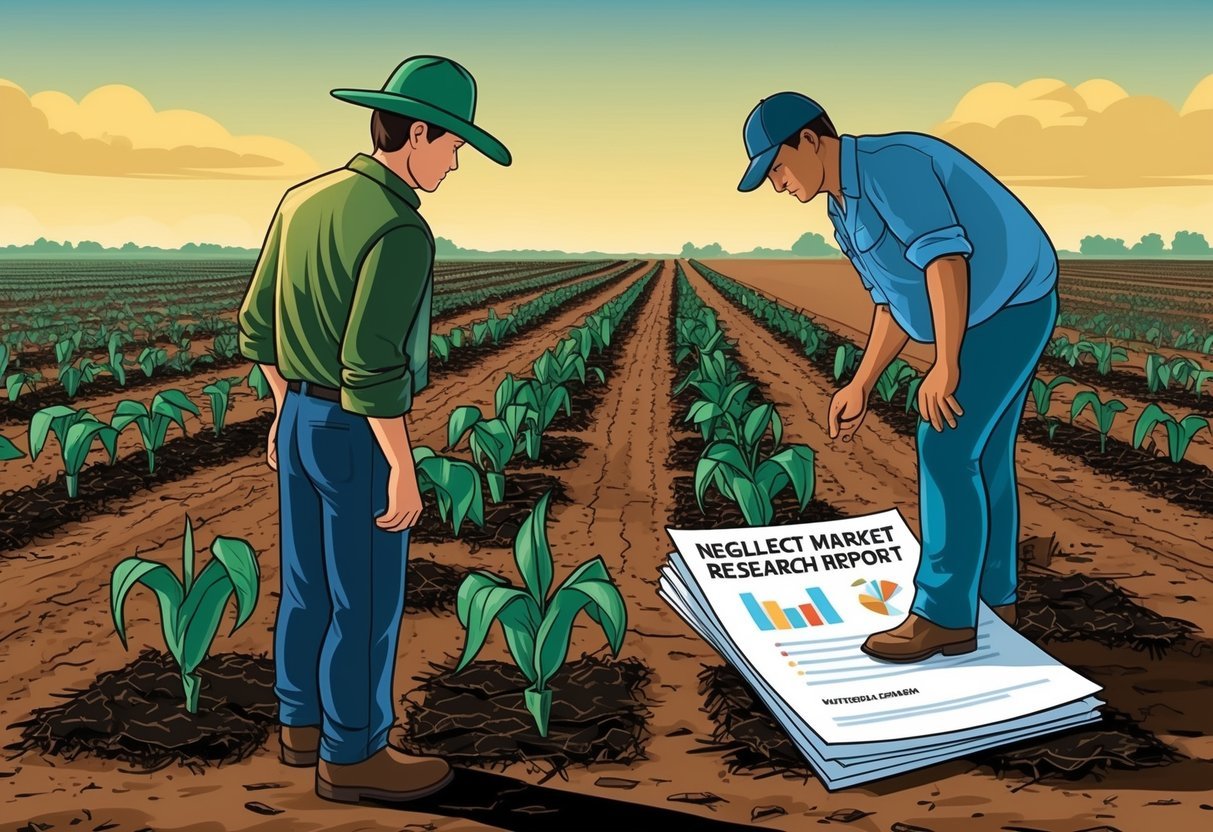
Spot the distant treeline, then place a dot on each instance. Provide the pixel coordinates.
(43, 247)
(1184, 244)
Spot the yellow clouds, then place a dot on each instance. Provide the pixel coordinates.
(1094, 135)
(115, 131)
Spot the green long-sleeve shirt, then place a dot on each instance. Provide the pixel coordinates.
(342, 292)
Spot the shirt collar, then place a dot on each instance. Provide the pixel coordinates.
(848, 161)
(371, 167)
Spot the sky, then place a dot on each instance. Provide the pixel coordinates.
(138, 120)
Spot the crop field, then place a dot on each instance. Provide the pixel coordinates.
(132, 435)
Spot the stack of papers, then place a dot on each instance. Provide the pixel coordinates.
(789, 606)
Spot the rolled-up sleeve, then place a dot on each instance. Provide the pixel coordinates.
(255, 335)
(375, 377)
(907, 192)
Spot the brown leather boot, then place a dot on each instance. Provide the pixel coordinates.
(299, 745)
(387, 775)
(1006, 612)
(916, 638)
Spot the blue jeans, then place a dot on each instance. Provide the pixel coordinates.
(969, 503)
(342, 580)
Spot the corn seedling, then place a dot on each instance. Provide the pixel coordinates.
(257, 383)
(1179, 431)
(846, 359)
(562, 365)
(151, 359)
(224, 347)
(18, 381)
(894, 377)
(168, 406)
(1061, 347)
(191, 608)
(543, 402)
(73, 375)
(1104, 353)
(720, 405)
(75, 431)
(220, 395)
(538, 628)
(455, 485)
(735, 466)
(8, 450)
(493, 442)
(117, 361)
(1042, 394)
(492, 329)
(1104, 412)
(5, 354)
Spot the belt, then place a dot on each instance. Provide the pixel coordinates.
(332, 394)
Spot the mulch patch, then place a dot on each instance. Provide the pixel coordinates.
(35, 511)
(753, 743)
(476, 717)
(137, 714)
(1060, 608)
(501, 520)
(52, 393)
(431, 586)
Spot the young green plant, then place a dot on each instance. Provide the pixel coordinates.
(538, 628)
(1104, 412)
(191, 609)
(75, 430)
(219, 394)
(455, 485)
(1180, 432)
(168, 406)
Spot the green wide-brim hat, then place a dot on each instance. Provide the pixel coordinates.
(437, 91)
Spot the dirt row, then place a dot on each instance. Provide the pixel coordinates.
(59, 635)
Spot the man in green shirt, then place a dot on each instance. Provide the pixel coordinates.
(337, 314)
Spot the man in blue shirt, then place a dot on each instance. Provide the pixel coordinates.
(950, 256)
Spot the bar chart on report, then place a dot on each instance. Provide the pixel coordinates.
(770, 615)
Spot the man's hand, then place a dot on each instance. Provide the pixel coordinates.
(271, 445)
(936, 402)
(403, 499)
(847, 409)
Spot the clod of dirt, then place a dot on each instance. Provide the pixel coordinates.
(899, 826)
(256, 787)
(847, 815)
(616, 783)
(262, 809)
(137, 714)
(1071, 607)
(698, 798)
(764, 812)
(476, 717)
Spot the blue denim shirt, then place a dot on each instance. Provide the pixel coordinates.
(911, 198)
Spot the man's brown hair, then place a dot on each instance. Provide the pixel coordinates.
(821, 125)
(389, 131)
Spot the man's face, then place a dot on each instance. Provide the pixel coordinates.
(798, 170)
(430, 162)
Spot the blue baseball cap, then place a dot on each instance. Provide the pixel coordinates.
(774, 119)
